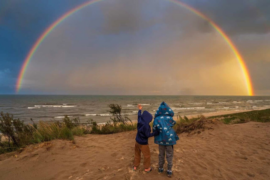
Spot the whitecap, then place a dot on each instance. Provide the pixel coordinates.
(61, 117)
(68, 106)
(90, 114)
(104, 114)
(33, 107)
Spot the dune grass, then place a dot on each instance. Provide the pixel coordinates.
(256, 116)
(18, 134)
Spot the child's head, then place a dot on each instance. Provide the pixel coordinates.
(147, 117)
(164, 110)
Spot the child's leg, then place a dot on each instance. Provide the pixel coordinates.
(137, 158)
(169, 156)
(147, 156)
(161, 156)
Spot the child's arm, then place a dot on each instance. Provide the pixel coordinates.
(139, 112)
(149, 134)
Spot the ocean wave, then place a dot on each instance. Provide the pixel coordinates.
(98, 115)
(236, 102)
(54, 106)
(145, 104)
(196, 103)
(223, 102)
(60, 117)
(90, 114)
(68, 106)
(130, 105)
(33, 108)
(254, 101)
(188, 108)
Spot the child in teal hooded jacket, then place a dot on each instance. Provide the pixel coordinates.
(167, 137)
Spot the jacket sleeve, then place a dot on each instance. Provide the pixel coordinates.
(147, 131)
(139, 114)
(154, 125)
(171, 122)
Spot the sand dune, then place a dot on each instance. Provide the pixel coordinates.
(239, 151)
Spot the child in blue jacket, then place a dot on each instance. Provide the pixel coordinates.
(141, 145)
(167, 137)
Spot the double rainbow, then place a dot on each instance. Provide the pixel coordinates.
(198, 13)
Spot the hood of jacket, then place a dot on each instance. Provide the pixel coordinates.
(146, 118)
(164, 110)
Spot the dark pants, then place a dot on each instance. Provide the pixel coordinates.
(146, 155)
(168, 150)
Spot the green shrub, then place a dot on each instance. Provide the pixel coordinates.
(71, 123)
(116, 111)
(66, 133)
(257, 116)
(15, 130)
(78, 131)
(228, 120)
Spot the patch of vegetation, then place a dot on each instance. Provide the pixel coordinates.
(227, 120)
(117, 117)
(118, 123)
(195, 125)
(19, 134)
(257, 116)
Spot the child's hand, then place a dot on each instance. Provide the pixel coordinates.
(140, 107)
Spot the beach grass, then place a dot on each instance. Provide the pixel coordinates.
(256, 116)
(17, 134)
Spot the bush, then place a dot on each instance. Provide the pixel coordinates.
(78, 131)
(110, 128)
(66, 133)
(115, 110)
(196, 125)
(71, 123)
(15, 130)
(257, 116)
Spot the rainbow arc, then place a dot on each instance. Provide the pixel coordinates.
(198, 13)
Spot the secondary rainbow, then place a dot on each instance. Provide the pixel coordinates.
(198, 13)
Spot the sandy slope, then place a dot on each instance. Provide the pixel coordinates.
(239, 151)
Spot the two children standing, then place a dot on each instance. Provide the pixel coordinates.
(165, 137)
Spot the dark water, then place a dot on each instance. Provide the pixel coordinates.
(96, 107)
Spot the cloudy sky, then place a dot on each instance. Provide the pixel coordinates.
(149, 47)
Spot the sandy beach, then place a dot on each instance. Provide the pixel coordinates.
(240, 151)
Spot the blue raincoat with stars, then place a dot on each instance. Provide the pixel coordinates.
(163, 123)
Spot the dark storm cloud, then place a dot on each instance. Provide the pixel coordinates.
(234, 17)
(130, 16)
(21, 23)
(134, 33)
(237, 16)
(124, 16)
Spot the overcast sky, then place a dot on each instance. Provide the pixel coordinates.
(135, 47)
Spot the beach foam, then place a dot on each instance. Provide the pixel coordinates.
(188, 108)
(97, 114)
(33, 108)
(54, 106)
(61, 117)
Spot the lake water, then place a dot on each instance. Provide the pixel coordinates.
(46, 108)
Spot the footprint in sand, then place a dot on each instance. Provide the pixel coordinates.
(83, 164)
(114, 154)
